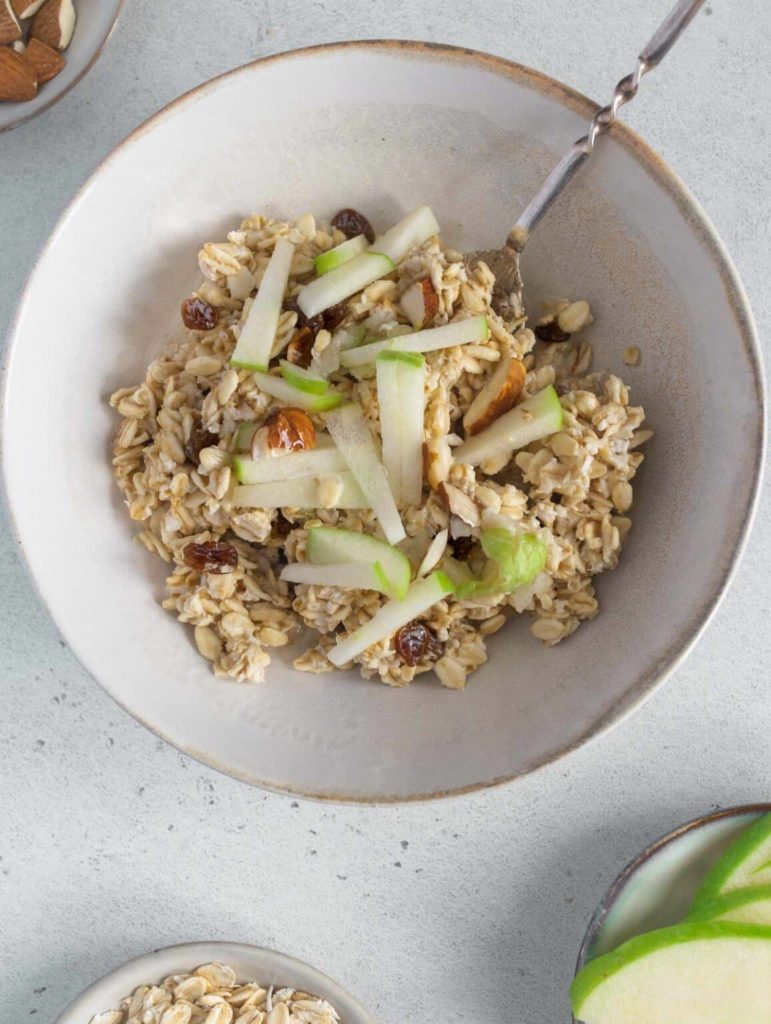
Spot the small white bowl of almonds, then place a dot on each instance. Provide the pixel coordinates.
(215, 983)
(46, 47)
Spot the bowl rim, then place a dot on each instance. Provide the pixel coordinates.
(205, 952)
(645, 685)
(32, 114)
(622, 879)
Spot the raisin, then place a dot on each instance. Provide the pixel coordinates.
(462, 547)
(353, 223)
(212, 556)
(315, 322)
(299, 348)
(551, 333)
(199, 315)
(199, 438)
(415, 642)
(281, 525)
(335, 315)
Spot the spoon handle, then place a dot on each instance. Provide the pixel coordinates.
(651, 55)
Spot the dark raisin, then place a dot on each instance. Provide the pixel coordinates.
(551, 333)
(416, 642)
(335, 315)
(281, 525)
(315, 322)
(299, 348)
(211, 556)
(199, 438)
(462, 547)
(199, 315)
(353, 223)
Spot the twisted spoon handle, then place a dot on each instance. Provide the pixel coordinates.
(651, 55)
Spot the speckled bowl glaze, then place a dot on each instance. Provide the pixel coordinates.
(657, 888)
(384, 126)
(96, 21)
(251, 963)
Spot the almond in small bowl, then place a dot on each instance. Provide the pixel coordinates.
(59, 40)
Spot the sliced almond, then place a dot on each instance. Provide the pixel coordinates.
(434, 554)
(10, 29)
(26, 8)
(497, 396)
(459, 529)
(437, 460)
(420, 302)
(45, 60)
(54, 23)
(459, 504)
(17, 77)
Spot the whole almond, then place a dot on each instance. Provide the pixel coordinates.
(45, 60)
(10, 29)
(54, 24)
(26, 8)
(17, 77)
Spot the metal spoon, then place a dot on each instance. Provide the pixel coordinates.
(504, 262)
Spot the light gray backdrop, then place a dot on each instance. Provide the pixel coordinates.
(112, 843)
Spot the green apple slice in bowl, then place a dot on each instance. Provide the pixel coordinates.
(748, 906)
(704, 973)
(332, 258)
(330, 544)
(745, 864)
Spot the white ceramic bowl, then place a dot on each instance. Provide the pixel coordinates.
(96, 20)
(251, 963)
(384, 127)
(657, 888)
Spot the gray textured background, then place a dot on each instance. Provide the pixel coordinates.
(112, 843)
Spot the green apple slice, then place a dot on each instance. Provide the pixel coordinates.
(473, 329)
(529, 421)
(352, 436)
(749, 906)
(332, 258)
(303, 379)
(289, 466)
(421, 596)
(304, 492)
(242, 439)
(343, 282)
(689, 974)
(258, 332)
(279, 388)
(514, 560)
(349, 575)
(401, 398)
(329, 544)
(746, 863)
(414, 229)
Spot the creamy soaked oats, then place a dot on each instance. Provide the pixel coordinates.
(243, 457)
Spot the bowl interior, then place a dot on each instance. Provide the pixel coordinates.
(383, 127)
(96, 19)
(657, 889)
(251, 963)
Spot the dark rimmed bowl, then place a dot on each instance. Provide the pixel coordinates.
(657, 888)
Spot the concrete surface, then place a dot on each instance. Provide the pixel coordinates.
(112, 843)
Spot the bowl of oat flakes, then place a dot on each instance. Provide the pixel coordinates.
(215, 983)
(379, 507)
